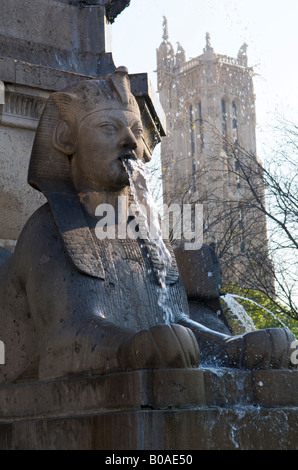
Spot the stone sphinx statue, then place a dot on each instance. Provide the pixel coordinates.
(73, 304)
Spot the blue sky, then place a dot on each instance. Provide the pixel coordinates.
(269, 27)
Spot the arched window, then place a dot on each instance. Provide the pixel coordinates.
(234, 123)
(192, 143)
(224, 117)
(224, 127)
(192, 131)
(199, 126)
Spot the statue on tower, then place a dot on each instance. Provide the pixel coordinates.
(242, 54)
(208, 47)
(165, 29)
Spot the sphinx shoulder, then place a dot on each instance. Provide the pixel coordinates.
(38, 241)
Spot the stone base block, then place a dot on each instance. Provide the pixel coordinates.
(154, 410)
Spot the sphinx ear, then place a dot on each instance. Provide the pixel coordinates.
(63, 138)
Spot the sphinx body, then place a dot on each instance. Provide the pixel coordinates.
(72, 304)
(74, 323)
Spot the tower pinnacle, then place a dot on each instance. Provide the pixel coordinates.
(208, 43)
(165, 29)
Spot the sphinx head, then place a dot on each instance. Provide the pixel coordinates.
(84, 133)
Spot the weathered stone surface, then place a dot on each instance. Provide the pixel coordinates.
(17, 200)
(202, 278)
(276, 388)
(78, 42)
(193, 429)
(228, 387)
(154, 410)
(100, 394)
(200, 271)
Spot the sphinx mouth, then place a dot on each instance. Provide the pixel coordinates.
(129, 155)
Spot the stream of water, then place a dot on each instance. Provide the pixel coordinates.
(240, 313)
(151, 233)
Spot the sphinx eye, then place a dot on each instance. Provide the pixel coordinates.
(108, 126)
(138, 131)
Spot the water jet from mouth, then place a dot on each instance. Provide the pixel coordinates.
(139, 179)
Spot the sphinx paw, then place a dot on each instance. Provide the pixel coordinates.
(261, 349)
(161, 346)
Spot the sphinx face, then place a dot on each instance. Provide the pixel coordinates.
(104, 138)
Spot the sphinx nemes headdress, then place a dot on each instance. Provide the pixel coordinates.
(49, 169)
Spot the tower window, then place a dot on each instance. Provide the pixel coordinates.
(224, 117)
(192, 131)
(224, 122)
(199, 120)
(235, 123)
(192, 144)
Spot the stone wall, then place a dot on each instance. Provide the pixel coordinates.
(18, 123)
(181, 410)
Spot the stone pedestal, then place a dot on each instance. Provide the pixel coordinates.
(154, 410)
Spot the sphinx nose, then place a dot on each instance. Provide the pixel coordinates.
(128, 140)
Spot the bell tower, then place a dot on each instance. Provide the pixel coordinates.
(209, 103)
